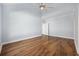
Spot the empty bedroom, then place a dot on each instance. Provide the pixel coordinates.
(39, 29)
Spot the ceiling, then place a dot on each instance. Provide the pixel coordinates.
(51, 7)
(48, 4)
(34, 7)
(55, 10)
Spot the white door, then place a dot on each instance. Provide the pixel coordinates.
(45, 28)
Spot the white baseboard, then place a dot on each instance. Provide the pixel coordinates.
(20, 39)
(78, 52)
(44, 34)
(76, 47)
(62, 36)
(0, 48)
(29, 38)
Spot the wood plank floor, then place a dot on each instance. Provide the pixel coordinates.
(41, 46)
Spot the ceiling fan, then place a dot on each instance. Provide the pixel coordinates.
(43, 6)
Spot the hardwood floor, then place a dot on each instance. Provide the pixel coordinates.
(41, 46)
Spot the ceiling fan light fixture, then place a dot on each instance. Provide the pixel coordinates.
(42, 6)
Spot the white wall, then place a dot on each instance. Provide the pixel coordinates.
(61, 28)
(61, 22)
(20, 22)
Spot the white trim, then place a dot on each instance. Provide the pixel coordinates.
(78, 31)
(0, 48)
(20, 39)
(62, 36)
(31, 37)
(44, 34)
(76, 47)
(78, 52)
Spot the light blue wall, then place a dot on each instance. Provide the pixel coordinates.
(20, 22)
(61, 21)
